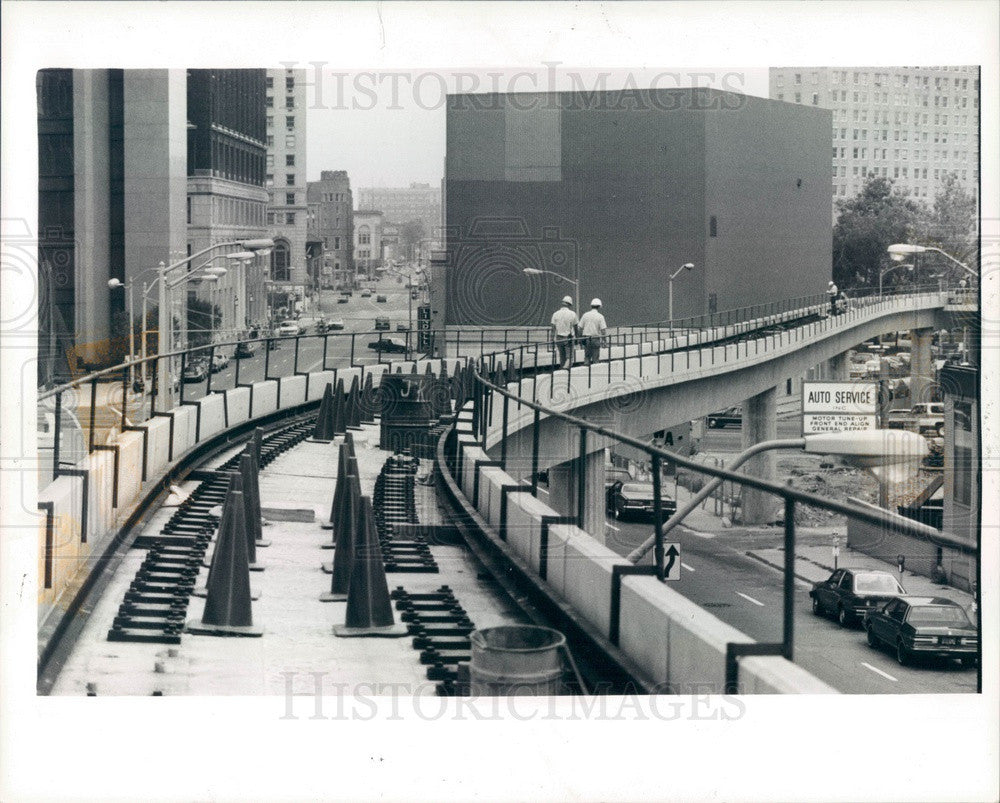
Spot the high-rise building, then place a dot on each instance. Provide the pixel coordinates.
(111, 197)
(911, 124)
(226, 195)
(331, 222)
(367, 240)
(617, 190)
(401, 205)
(287, 211)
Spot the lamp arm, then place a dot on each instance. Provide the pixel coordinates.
(962, 265)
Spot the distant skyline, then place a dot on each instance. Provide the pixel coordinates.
(387, 129)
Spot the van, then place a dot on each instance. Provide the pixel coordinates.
(381, 323)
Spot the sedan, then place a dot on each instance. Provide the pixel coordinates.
(335, 324)
(245, 348)
(932, 626)
(851, 593)
(342, 299)
(390, 344)
(196, 371)
(366, 293)
(219, 362)
(288, 329)
(380, 299)
(627, 499)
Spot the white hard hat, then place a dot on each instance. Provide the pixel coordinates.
(596, 302)
(567, 300)
(831, 283)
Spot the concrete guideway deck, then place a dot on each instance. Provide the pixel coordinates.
(298, 645)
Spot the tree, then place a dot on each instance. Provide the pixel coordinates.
(951, 226)
(867, 224)
(410, 235)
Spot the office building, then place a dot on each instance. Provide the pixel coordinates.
(287, 211)
(401, 205)
(367, 240)
(331, 225)
(618, 190)
(226, 195)
(911, 124)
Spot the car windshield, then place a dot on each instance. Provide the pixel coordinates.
(638, 490)
(876, 584)
(938, 616)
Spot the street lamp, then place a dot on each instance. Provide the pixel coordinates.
(891, 268)
(670, 288)
(890, 454)
(898, 251)
(575, 282)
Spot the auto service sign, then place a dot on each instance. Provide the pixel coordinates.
(839, 406)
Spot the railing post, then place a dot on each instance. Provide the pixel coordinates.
(124, 396)
(211, 362)
(267, 358)
(58, 433)
(295, 358)
(183, 369)
(378, 350)
(581, 481)
(326, 343)
(236, 381)
(789, 584)
(657, 516)
(93, 409)
(534, 454)
(503, 432)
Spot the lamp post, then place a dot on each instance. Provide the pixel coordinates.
(574, 282)
(900, 250)
(891, 268)
(890, 454)
(114, 284)
(670, 288)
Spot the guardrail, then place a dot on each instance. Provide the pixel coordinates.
(501, 375)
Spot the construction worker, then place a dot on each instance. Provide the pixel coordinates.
(593, 327)
(564, 323)
(832, 291)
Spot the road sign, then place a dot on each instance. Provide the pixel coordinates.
(672, 564)
(839, 406)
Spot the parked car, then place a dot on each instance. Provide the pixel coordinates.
(925, 418)
(245, 348)
(851, 593)
(342, 299)
(731, 416)
(335, 324)
(380, 299)
(402, 327)
(933, 626)
(196, 371)
(219, 361)
(635, 499)
(366, 293)
(288, 329)
(381, 324)
(390, 344)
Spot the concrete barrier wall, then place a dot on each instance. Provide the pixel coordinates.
(265, 398)
(213, 417)
(157, 446)
(318, 381)
(921, 556)
(293, 391)
(674, 641)
(238, 404)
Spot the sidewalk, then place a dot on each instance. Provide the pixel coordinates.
(814, 562)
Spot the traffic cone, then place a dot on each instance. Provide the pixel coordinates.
(413, 368)
(369, 609)
(227, 604)
(257, 442)
(224, 522)
(340, 413)
(343, 554)
(354, 406)
(247, 479)
(370, 403)
(338, 489)
(324, 432)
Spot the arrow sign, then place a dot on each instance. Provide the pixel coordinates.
(673, 555)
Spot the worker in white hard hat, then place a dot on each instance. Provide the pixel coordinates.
(564, 323)
(832, 291)
(593, 328)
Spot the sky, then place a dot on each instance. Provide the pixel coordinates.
(387, 128)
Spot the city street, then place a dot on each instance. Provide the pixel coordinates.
(718, 575)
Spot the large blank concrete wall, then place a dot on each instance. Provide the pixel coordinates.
(767, 183)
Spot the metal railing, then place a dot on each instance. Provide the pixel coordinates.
(487, 389)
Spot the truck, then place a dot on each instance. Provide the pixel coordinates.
(926, 418)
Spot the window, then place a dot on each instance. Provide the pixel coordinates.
(290, 160)
(269, 102)
(798, 97)
(290, 218)
(270, 160)
(290, 179)
(290, 102)
(290, 123)
(289, 84)
(713, 226)
(189, 209)
(779, 80)
(268, 179)
(270, 218)
(815, 99)
(798, 78)
(290, 198)
(270, 140)
(270, 121)
(781, 96)
(336, 243)
(289, 140)
(280, 261)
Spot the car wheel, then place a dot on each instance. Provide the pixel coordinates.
(618, 514)
(902, 656)
(968, 660)
(872, 638)
(817, 607)
(843, 617)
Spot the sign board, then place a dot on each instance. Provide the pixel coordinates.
(839, 406)
(672, 562)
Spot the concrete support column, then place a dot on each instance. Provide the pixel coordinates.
(921, 365)
(760, 423)
(90, 212)
(838, 368)
(563, 489)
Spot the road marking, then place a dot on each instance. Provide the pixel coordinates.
(701, 535)
(879, 672)
(689, 568)
(607, 524)
(750, 599)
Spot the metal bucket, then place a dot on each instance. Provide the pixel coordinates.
(518, 660)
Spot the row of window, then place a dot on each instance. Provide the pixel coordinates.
(289, 83)
(289, 102)
(289, 122)
(289, 179)
(902, 153)
(882, 79)
(278, 218)
(289, 160)
(289, 141)
(335, 197)
(940, 137)
(234, 211)
(917, 192)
